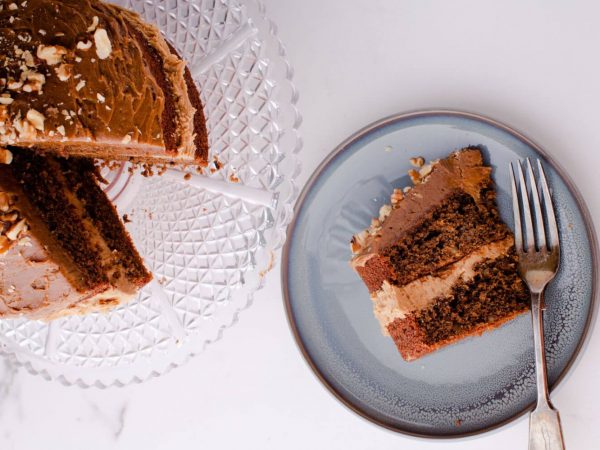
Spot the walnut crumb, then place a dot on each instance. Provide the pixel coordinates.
(6, 157)
(397, 197)
(36, 119)
(103, 45)
(418, 161)
(52, 54)
(64, 72)
(84, 45)
(414, 176)
(16, 229)
(94, 24)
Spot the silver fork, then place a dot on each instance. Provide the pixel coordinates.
(539, 255)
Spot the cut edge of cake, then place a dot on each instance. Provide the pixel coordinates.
(72, 254)
(420, 250)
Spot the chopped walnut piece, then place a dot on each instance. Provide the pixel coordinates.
(100, 97)
(34, 76)
(25, 129)
(6, 157)
(16, 229)
(425, 170)
(52, 54)
(35, 82)
(13, 7)
(126, 139)
(36, 118)
(9, 217)
(103, 45)
(384, 211)
(61, 130)
(14, 85)
(397, 197)
(94, 24)
(414, 176)
(5, 99)
(418, 161)
(28, 58)
(4, 244)
(64, 71)
(84, 45)
(359, 241)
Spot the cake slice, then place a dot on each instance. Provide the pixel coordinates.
(63, 248)
(439, 262)
(86, 78)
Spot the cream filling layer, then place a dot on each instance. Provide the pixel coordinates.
(395, 302)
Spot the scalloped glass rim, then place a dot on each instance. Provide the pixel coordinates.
(283, 169)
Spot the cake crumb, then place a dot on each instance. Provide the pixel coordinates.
(187, 176)
(388, 148)
(216, 165)
(458, 422)
(233, 178)
(126, 218)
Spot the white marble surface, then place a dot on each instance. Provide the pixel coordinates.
(532, 64)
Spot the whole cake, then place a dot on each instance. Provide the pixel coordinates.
(82, 77)
(63, 248)
(439, 262)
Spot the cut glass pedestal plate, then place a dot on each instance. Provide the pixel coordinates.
(210, 240)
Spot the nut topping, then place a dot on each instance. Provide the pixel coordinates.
(84, 45)
(6, 157)
(52, 54)
(64, 71)
(16, 229)
(103, 45)
(418, 161)
(94, 24)
(36, 118)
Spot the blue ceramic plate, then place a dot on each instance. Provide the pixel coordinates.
(474, 385)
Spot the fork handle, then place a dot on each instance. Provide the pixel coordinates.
(545, 431)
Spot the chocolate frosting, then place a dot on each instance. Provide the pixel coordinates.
(76, 75)
(463, 170)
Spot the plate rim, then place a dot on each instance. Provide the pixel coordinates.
(337, 152)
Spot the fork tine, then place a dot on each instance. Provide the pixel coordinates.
(549, 209)
(539, 219)
(516, 211)
(529, 237)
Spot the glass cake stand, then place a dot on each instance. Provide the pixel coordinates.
(209, 240)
